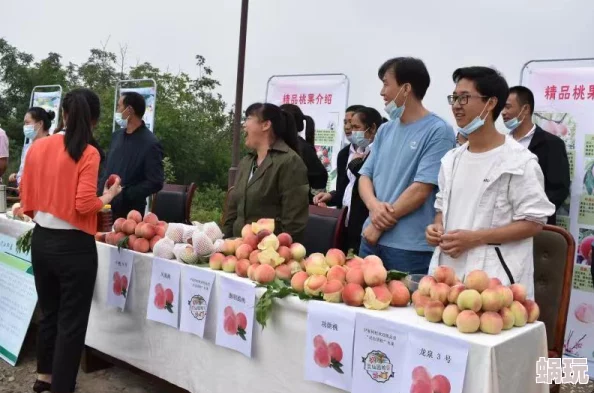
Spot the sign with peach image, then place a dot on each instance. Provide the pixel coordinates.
(235, 315)
(380, 344)
(120, 273)
(329, 344)
(434, 364)
(163, 299)
(196, 289)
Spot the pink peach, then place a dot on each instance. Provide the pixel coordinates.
(264, 274)
(283, 272)
(374, 274)
(355, 275)
(353, 294)
(241, 267)
(434, 311)
(400, 293)
(468, 322)
(337, 272)
(491, 322)
(335, 257)
(284, 239)
(425, 285)
(445, 274)
(440, 292)
(477, 280)
(298, 281)
(519, 292)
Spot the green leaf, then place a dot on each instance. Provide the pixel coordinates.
(124, 292)
(169, 307)
(241, 333)
(336, 366)
(395, 275)
(23, 244)
(123, 243)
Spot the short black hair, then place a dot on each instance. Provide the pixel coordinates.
(524, 95)
(408, 70)
(488, 82)
(136, 101)
(354, 108)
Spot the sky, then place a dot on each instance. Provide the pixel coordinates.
(309, 36)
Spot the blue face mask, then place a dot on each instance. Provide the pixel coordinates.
(394, 111)
(512, 124)
(475, 124)
(29, 131)
(360, 140)
(350, 138)
(121, 121)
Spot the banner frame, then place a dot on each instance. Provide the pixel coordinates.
(118, 87)
(300, 75)
(46, 87)
(525, 66)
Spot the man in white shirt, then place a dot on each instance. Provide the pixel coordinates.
(549, 148)
(491, 200)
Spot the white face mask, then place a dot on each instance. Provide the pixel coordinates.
(359, 139)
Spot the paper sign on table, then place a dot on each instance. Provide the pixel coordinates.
(120, 273)
(380, 344)
(8, 245)
(434, 361)
(196, 289)
(235, 315)
(163, 301)
(329, 345)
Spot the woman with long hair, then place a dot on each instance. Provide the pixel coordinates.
(62, 200)
(271, 181)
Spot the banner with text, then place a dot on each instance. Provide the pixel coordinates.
(50, 101)
(322, 97)
(564, 106)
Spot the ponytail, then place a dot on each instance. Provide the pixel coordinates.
(300, 118)
(78, 132)
(288, 133)
(283, 123)
(310, 130)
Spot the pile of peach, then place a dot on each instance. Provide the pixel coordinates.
(142, 233)
(480, 303)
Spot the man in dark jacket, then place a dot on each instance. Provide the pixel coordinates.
(135, 155)
(549, 148)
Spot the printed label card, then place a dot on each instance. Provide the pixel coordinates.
(120, 273)
(235, 315)
(329, 345)
(8, 246)
(380, 345)
(163, 299)
(434, 363)
(195, 297)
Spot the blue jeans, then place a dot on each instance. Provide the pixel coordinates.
(411, 262)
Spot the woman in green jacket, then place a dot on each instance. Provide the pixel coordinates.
(272, 179)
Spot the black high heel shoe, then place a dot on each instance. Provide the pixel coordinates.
(41, 386)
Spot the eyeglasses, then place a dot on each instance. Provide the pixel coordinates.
(462, 100)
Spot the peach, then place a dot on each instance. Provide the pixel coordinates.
(252, 270)
(151, 218)
(298, 251)
(355, 262)
(254, 257)
(440, 292)
(450, 313)
(117, 225)
(355, 276)
(241, 267)
(163, 224)
(118, 237)
(425, 285)
(421, 387)
(160, 231)
(129, 227)
(264, 223)
(334, 257)
(131, 240)
(243, 251)
(302, 264)
(519, 292)
(270, 257)
(400, 293)
(270, 241)
(153, 241)
(420, 373)
(316, 264)
(246, 230)
(216, 261)
(229, 264)
(238, 242)
(337, 272)
(372, 260)
(138, 230)
(251, 240)
(455, 292)
(100, 237)
(314, 284)
(285, 252)
(147, 231)
(494, 282)
(468, 322)
(532, 309)
(283, 272)
(508, 318)
(353, 294)
(322, 356)
(506, 295)
(520, 314)
(434, 311)
(142, 245)
(135, 215)
(264, 274)
(470, 299)
(262, 234)
(374, 274)
(441, 384)
(491, 300)
(477, 280)
(295, 267)
(417, 297)
(491, 322)
(445, 274)
(333, 291)
(298, 281)
(377, 298)
(284, 239)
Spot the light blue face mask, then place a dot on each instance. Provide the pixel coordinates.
(350, 138)
(120, 120)
(359, 139)
(29, 131)
(475, 124)
(394, 111)
(512, 124)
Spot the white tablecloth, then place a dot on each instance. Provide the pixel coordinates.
(504, 363)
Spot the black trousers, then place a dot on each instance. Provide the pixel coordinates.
(65, 268)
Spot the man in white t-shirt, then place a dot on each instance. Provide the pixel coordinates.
(491, 199)
(3, 153)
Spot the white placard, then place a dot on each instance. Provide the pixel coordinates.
(434, 362)
(380, 345)
(120, 275)
(329, 345)
(8, 245)
(163, 299)
(235, 314)
(196, 288)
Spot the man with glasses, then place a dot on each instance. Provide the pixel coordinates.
(491, 199)
(399, 178)
(549, 148)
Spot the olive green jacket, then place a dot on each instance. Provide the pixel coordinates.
(278, 189)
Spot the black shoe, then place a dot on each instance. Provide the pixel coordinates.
(41, 386)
